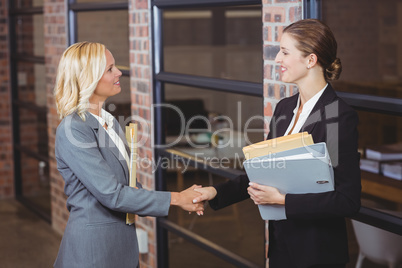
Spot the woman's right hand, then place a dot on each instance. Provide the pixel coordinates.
(185, 199)
(207, 193)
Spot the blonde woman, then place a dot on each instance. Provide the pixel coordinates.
(92, 156)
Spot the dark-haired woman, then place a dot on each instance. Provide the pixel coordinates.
(314, 234)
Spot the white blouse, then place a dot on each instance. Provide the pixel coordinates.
(308, 106)
(108, 119)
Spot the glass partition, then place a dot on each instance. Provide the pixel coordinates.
(108, 28)
(211, 126)
(27, 3)
(192, 115)
(35, 182)
(30, 35)
(221, 42)
(369, 45)
(98, 1)
(237, 228)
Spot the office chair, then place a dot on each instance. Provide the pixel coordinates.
(377, 245)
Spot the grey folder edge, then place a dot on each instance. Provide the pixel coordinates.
(301, 170)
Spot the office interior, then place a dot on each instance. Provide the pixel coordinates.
(212, 62)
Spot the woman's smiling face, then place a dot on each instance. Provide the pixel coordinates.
(109, 84)
(293, 63)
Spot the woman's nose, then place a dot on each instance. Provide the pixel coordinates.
(277, 58)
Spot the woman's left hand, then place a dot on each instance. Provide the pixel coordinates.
(265, 195)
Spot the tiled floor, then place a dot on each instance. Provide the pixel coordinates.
(25, 239)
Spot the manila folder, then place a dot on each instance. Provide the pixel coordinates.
(302, 170)
(278, 144)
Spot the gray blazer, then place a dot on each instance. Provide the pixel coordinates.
(96, 179)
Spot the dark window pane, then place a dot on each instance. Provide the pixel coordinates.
(237, 228)
(108, 28)
(98, 1)
(27, 3)
(29, 34)
(33, 131)
(369, 45)
(379, 190)
(377, 129)
(212, 111)
(35, 182)
(31, 83)
(32, 112)
(222, 42)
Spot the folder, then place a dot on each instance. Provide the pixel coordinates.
(131, 136)
(278, 145)
(301, 170)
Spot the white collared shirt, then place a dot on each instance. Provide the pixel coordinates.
(108, 119)
(307, 107)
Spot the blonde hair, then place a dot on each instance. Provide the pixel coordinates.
(80, 68)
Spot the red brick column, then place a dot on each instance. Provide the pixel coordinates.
(276, 15)
(6, 147)
(55, 34)
(141, 96)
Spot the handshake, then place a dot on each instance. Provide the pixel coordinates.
(193, 198)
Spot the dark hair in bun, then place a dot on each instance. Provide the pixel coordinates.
(313, 36)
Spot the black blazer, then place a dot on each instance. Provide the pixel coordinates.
(315, 230)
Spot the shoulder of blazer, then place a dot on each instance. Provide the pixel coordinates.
(329, 97)
(72, 125)
(75, 121)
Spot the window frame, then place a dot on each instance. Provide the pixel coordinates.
(224, 85)
(369, 103)
(311, 9)
(73, 8)
(16, 104)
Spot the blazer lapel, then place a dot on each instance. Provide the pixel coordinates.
(122, 135)
(285, 119)
(104, 141)
(318, 114)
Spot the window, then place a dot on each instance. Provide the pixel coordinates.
(29, 106)
(214, 42)
(209, 82)
(369, 36)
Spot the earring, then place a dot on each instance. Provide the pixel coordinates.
(308, 67)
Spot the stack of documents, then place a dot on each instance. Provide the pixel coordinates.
(370, 165)
(305, 169)
(383, 159)
(277, 145)
(385, 152)
(392, 170)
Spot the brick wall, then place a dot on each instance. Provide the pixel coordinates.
(55, 35)
(276, 15)
(6, 148)
(141, 101)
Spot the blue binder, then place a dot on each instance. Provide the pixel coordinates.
(301, 170)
